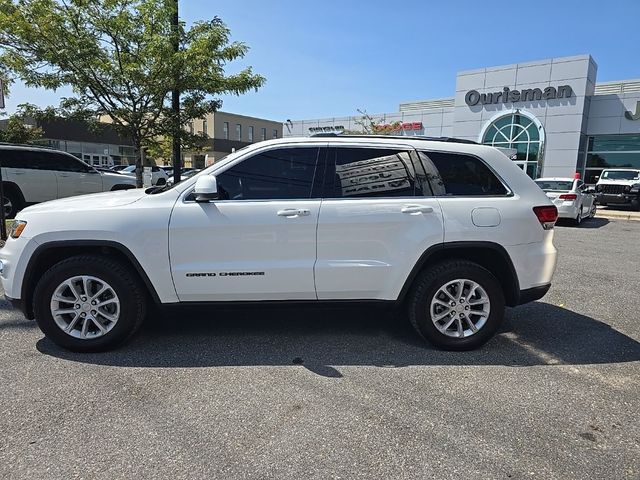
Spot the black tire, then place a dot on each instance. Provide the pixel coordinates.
(635, 204)
(13, 200)
(426, 287)
(161, 182)
(120, 277)
(578, 220)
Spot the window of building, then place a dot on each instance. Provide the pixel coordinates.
(611, 151)
(204, 127)
(275, 133)
(285, 173)
(190, 127)
(370, 172)
(238, 131)
(263, 135)
(521, 133)
(225, 130)
(251, 134)
(461, 175)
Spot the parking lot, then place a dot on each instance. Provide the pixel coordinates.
(346, 393)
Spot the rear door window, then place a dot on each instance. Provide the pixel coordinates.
(359, 172)
(458, 174)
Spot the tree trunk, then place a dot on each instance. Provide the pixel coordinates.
(139, 164)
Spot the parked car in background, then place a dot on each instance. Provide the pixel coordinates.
(620, 186)
(35, 174)
(571, 196)
(158, 175)
(186, 173)
(430, 226)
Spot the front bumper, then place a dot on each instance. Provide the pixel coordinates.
(619, 198)
(532, 294)
(17, 303)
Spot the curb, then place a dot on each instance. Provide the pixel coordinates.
(628, 216)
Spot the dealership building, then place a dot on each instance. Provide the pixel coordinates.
(553, 113)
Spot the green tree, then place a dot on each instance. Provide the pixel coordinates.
(22, 126)
(118, 58)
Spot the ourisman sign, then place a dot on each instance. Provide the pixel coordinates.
(473, 97)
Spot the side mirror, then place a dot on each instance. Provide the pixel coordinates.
(590, 190)
(597, 177)
(206, 189)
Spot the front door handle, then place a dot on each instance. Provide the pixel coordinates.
(293, 212)
(416, 209)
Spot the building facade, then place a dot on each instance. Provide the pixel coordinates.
(228, 132)
(553, 113)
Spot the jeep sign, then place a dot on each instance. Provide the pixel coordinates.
(473, 97)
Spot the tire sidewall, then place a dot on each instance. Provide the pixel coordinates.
(54, 277)
(490, 285)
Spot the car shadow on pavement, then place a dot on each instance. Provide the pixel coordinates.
(589, 223)
(322, 339)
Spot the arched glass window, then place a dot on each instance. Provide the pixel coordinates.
(521, 133)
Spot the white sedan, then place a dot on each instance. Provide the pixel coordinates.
(571, 197)
(158, 175)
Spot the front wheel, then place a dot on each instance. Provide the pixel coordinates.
(456, 305)
(89, 303)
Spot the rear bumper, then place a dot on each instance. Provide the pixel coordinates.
(532, 294)
(568, 211)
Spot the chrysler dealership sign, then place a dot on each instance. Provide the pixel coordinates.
(473, 97)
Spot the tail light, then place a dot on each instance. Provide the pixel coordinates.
(547, 216)
(568, 196)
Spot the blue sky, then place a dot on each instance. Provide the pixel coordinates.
(327, 58)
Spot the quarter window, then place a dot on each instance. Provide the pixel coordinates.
(370, 172)
(457, 174)
(285, 173)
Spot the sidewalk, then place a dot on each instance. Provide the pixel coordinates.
(618, 214)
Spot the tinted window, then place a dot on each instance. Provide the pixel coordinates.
(62, 163)
(370, 172)
(12, 158)
(41, 160)
(277, 174)
(459, 174)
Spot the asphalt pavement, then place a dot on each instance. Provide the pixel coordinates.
(350, 393)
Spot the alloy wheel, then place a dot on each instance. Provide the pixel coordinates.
(460, 308)
(85, 307)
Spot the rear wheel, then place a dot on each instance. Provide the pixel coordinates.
(89, 303)
(578, 220)
(456, 305)
(12, 203)
(592, 212)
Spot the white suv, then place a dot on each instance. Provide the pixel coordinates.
(453, 231)
(32, 175)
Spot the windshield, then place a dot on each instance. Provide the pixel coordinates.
(555, 185)
(621, 174)
(130, 168)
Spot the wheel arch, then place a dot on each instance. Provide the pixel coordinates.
(48, 254)
(489, 255)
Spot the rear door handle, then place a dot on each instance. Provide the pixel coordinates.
(416, 209)
(293, 212)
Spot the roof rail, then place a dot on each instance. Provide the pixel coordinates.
(403, 137)
(27, 145)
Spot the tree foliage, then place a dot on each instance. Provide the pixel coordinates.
(118, 58)
(16, 130)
